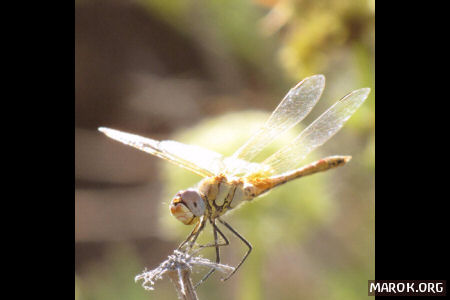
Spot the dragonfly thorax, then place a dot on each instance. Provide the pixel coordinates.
(222, 193)
(187, 206)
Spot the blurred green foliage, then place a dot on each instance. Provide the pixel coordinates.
(318, 30)
(112, 278)
(312, 33)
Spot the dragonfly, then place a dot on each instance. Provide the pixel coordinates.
(230, 181)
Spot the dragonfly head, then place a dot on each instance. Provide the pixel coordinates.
(187, 206)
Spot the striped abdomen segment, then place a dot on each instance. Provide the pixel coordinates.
(260, 185)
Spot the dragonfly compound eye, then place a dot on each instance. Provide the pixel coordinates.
(187, 206)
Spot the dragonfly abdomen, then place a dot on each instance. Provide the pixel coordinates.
(260, 185)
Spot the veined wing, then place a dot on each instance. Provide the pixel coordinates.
(316, 134)
(193, 158)
(294, 107)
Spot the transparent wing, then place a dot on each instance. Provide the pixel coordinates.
(193, 158)
(237, 167)
(294, 107)
(316, 134)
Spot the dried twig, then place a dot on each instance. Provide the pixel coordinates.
(178, 267)
(181, 278)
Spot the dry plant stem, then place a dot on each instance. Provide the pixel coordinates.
(178, 266)
(181, 279)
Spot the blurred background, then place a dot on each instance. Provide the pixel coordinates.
(209, 72)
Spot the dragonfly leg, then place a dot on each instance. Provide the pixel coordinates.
(217, 245)
(192, 237)
(189, 236)
(226, 243)
(243, 240)
(200, 229)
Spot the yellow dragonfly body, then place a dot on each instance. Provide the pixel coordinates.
(230, 181)
(221, 193)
